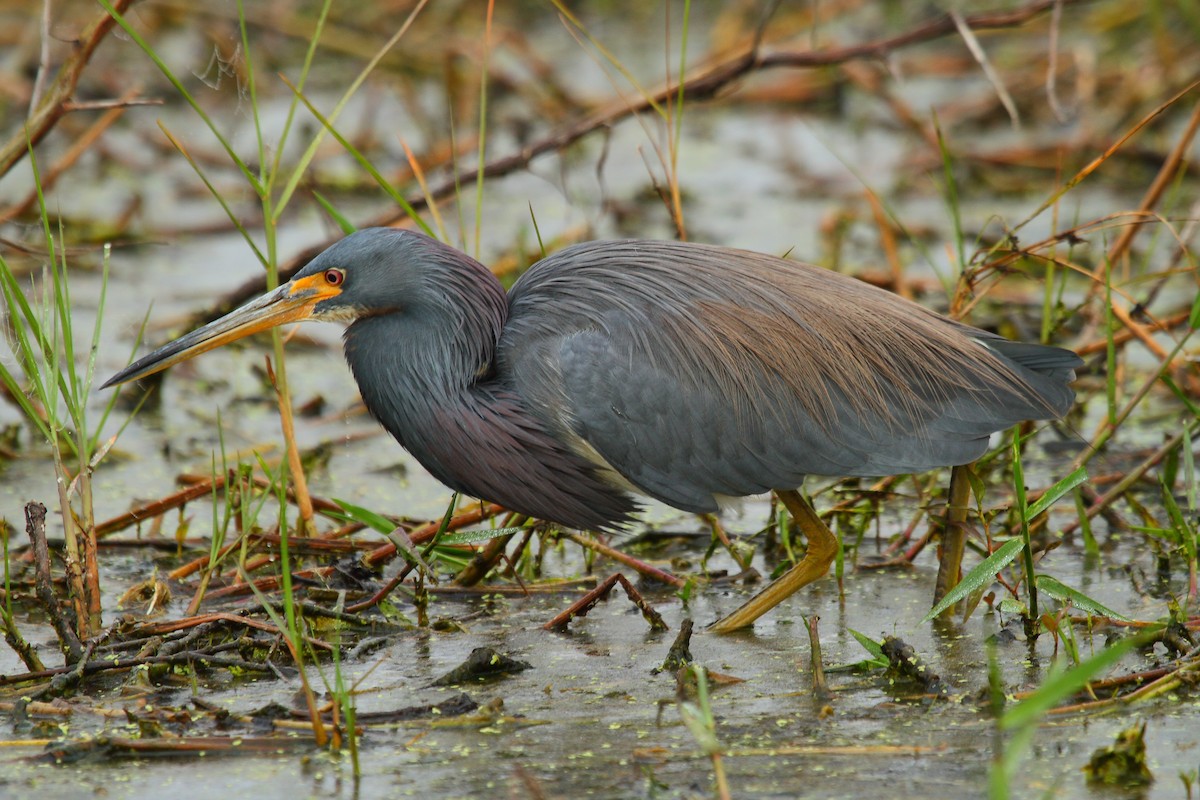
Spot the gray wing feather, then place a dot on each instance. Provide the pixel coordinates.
(695, 371)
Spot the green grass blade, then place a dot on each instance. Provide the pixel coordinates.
(1065, 594)
(1110, 348)
(311, 152)
(683, 48)
(870, 645)
(305, 68)
(229, 212)
(474, 537)
(252, 92)
(1056, 491)
(183, 92)
(346, 225)
(374, 521)
(23, 323)
(1090, 546)
(1187, 536)
(405, 547)
(51, 381)
(951, 194)
(114, 397)
(61, 308)
(94, 346)
(983, 573)
(1189, 469)
(537, 231)
(1023, 516)
(367, 165)
(1180, 394)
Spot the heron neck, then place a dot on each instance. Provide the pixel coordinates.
(433, 390)
(426, 352)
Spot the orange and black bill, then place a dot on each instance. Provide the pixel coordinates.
(291, 302)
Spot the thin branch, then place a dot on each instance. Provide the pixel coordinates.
(113, 112)
(35, 526)
(39, 83)
(981, 58)
(53, 106)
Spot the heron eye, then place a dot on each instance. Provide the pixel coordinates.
(334, 277)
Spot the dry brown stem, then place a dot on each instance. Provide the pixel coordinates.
(642, 568)
(56, 102)
(35, 526)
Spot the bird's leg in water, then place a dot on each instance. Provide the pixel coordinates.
(954, 533)
(822, 547)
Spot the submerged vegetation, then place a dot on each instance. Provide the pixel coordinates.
(269, 579)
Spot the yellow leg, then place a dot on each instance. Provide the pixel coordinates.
(822, 547)
(954, 534)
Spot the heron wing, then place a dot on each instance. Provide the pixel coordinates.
(694, 371)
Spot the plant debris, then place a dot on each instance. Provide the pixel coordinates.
(483, 664)
(1122, 763)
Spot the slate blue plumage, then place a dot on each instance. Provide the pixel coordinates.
(680, 371)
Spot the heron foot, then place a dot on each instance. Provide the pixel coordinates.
(822, 547)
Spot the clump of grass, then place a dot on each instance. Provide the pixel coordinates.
(274, 183)
(52, 386)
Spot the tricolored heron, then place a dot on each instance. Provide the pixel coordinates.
(685, 372)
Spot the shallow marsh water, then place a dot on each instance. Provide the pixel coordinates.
(591, 719)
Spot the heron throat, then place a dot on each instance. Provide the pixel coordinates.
(430, 380)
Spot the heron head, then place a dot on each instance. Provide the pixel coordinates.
(371, 272)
